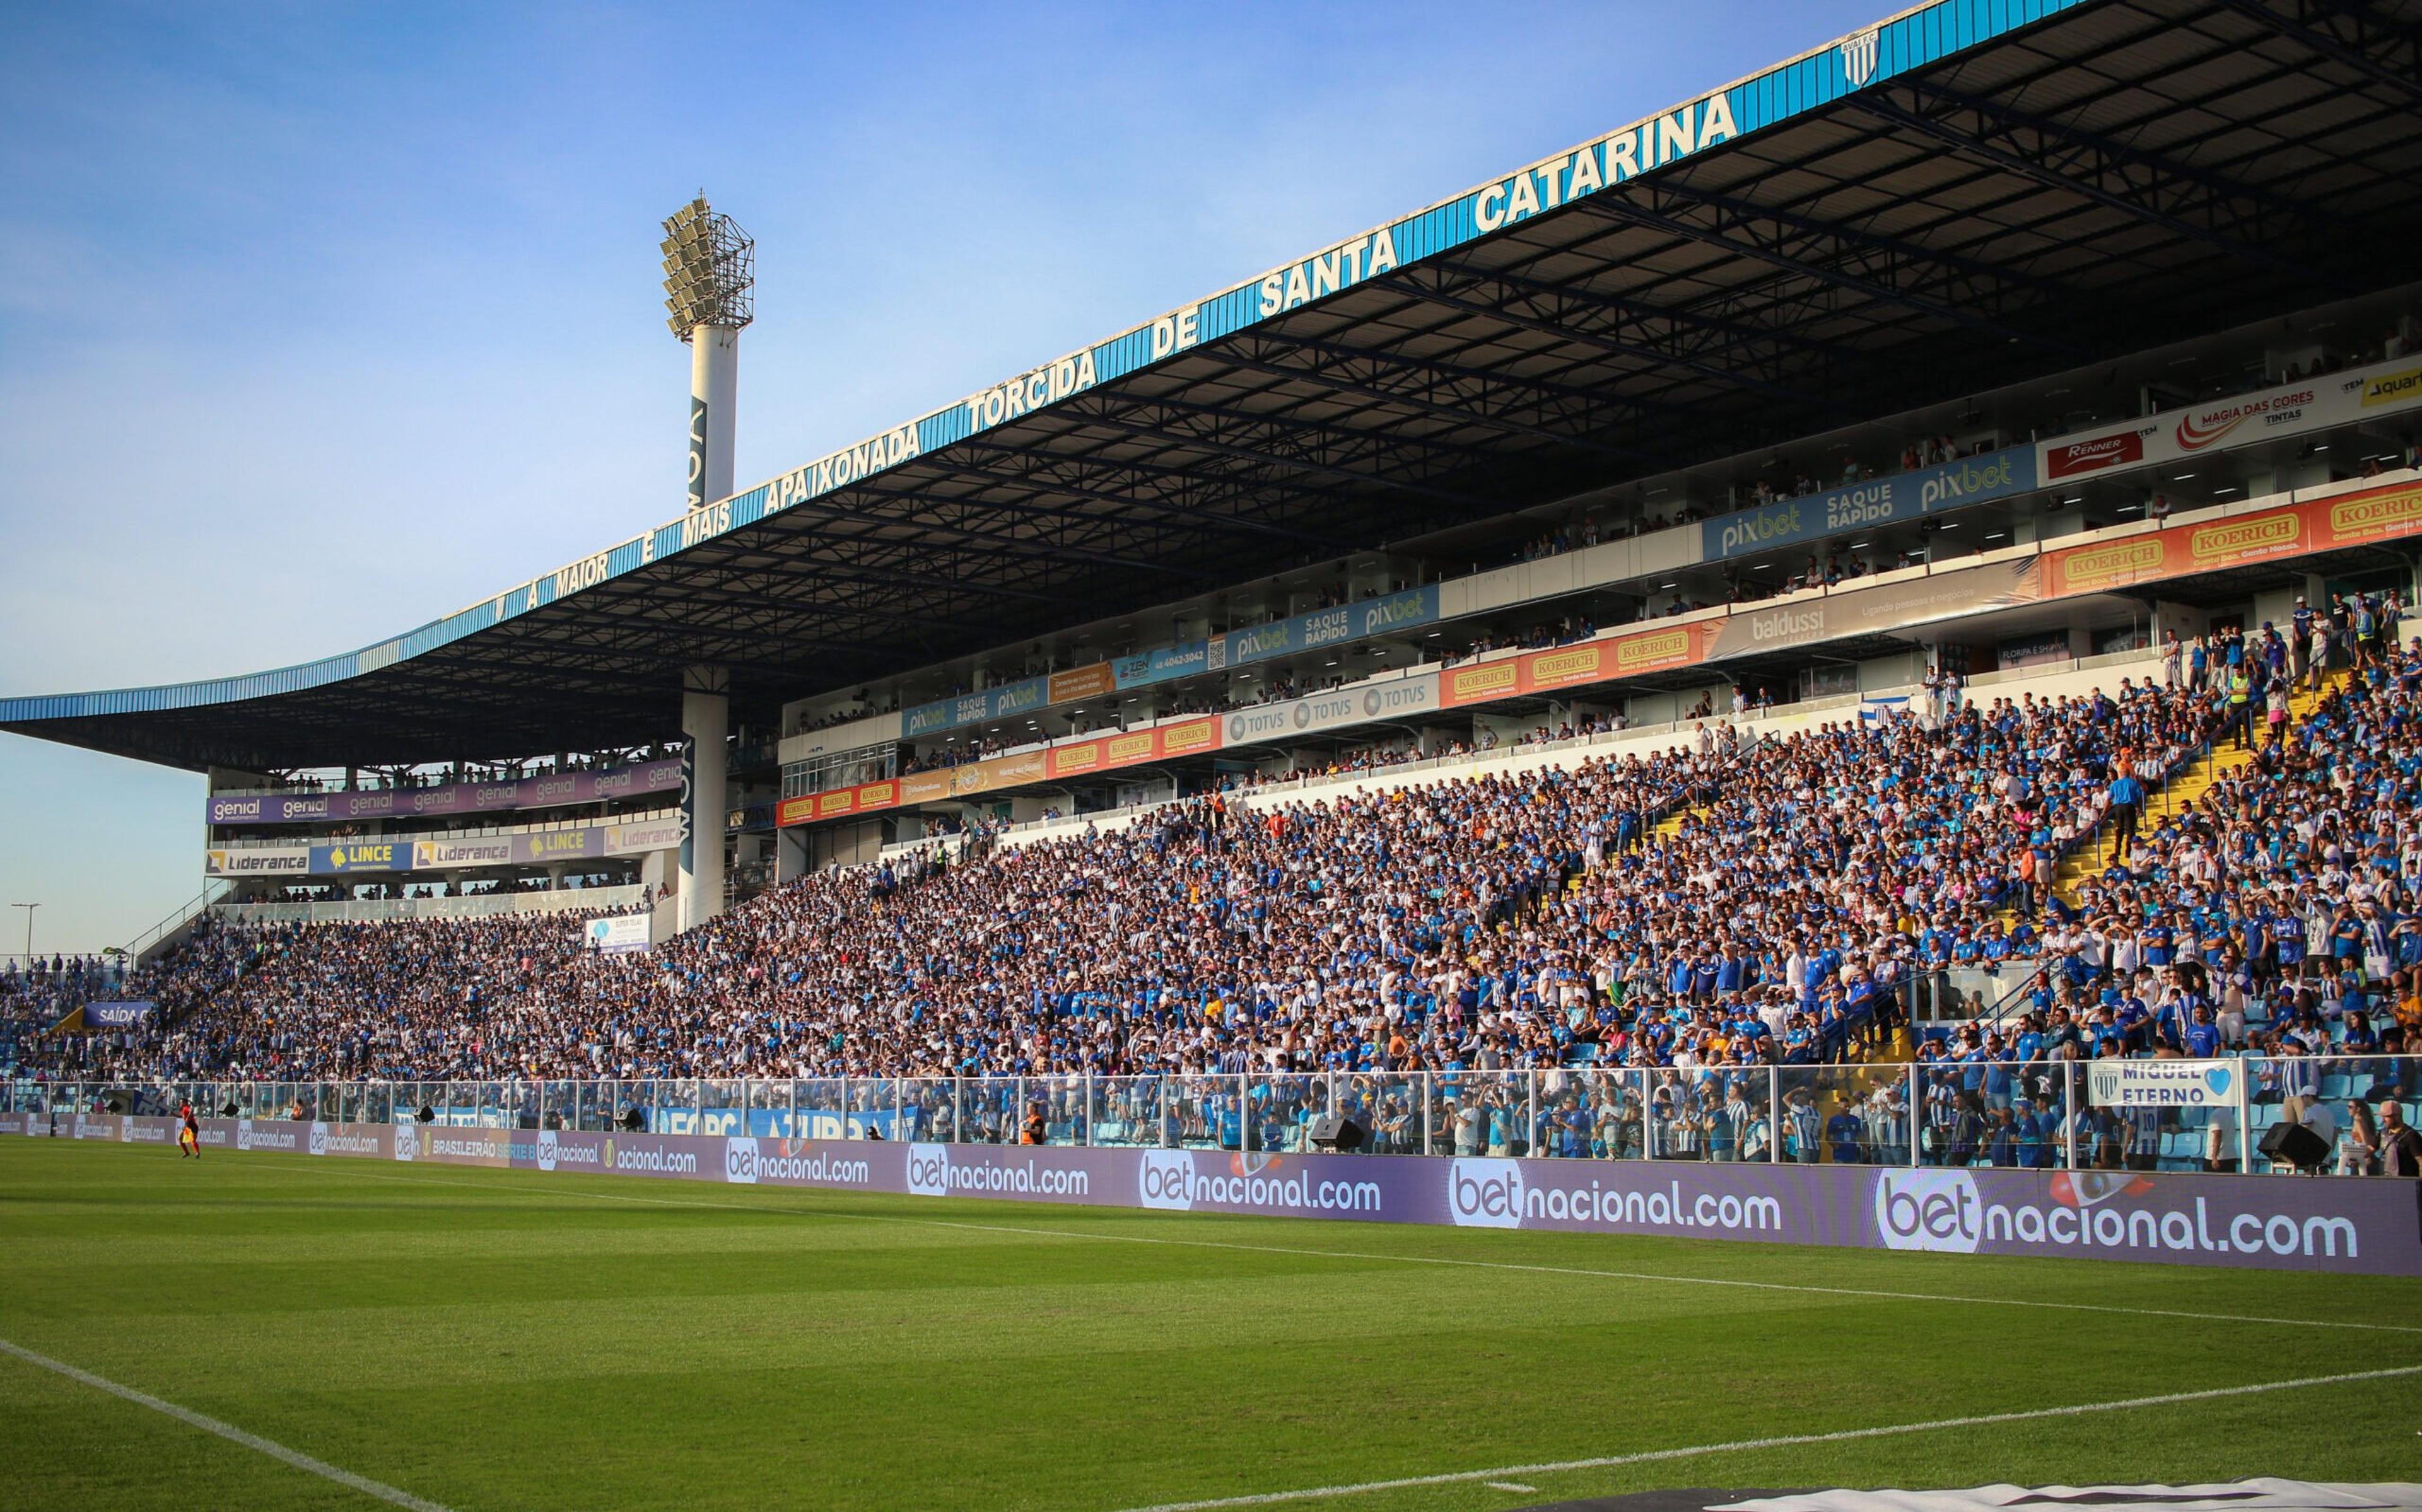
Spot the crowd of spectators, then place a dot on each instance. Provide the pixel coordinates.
(1527, 921)
(1696, 915)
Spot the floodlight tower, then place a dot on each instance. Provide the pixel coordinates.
(709, 293)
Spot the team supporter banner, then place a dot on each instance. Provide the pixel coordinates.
(2124, 1083)
(2347, 1225)
(459, 797)
(1866, 611)
(619, 935)
(118, 1015)
(1880, 501)
(2289, 410)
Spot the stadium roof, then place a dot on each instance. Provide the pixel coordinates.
(1968, 194)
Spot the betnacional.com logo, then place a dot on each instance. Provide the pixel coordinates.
(547, 1144)
(1929, 1208)
(740, 1159)
(319, 1139)
(1484, 1193)
(1164, 1179)
(929, 1170)
(407, 1141)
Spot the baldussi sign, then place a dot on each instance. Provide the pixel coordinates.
(2351, 1224)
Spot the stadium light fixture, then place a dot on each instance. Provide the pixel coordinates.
(29, 909)
(710, 270)
(709, 293)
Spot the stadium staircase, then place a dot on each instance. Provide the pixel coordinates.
(2096, 850)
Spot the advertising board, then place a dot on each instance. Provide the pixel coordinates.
(2350, 1226)
(554, 790)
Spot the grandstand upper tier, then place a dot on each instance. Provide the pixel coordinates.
(2132, 205)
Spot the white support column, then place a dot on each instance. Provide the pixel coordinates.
(707, 715)
(713, 401)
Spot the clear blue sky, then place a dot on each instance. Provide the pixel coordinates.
(319, 321)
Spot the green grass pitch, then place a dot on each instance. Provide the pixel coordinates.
(493, 1340)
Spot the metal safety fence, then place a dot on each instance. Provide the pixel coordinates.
(2206, 1115)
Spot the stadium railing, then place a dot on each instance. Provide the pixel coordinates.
(1928, 1114)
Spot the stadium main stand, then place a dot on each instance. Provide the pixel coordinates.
(1785, 632)
(1743, 900)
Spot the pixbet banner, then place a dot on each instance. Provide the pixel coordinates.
(1408, 610)
(1878, 501)
(459, 798)
(2352, 1224)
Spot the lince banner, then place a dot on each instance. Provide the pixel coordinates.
(553, 791)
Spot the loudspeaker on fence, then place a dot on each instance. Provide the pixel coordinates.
(2295, 1145)
(1332, 1132)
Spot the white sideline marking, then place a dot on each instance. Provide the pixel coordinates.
(1782, 1441)
(225, 1430)
(1872, 1294)
(1511, 1485)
